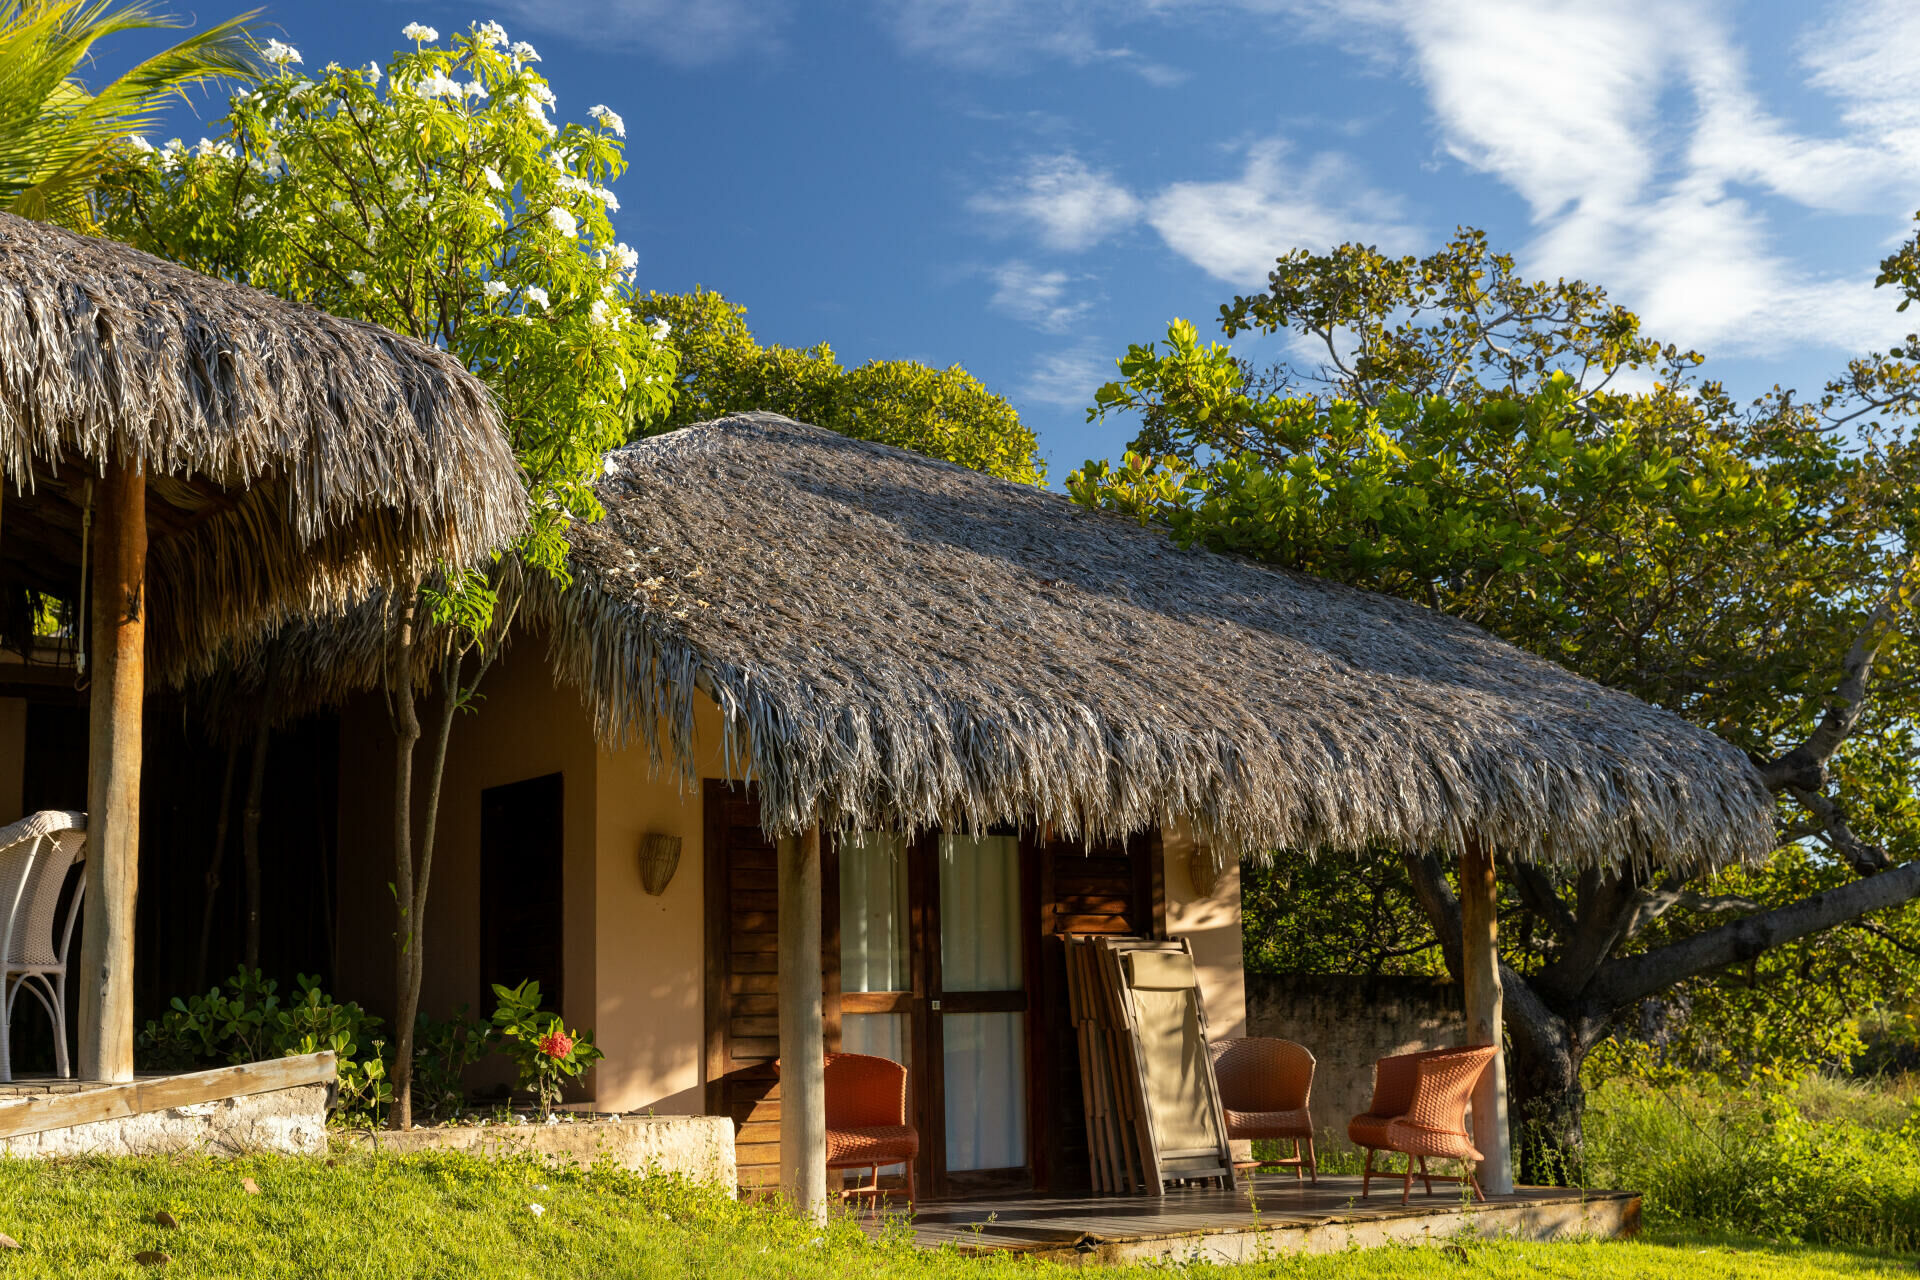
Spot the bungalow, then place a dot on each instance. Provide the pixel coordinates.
(828, 744)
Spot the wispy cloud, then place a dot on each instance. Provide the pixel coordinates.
(1067, 205)
(1068, 378)
(1234, 229)
(688, 34)
(1003, 36)
(1036, 297)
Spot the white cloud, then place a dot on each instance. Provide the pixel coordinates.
(687, 32)
(1067, 379)
(1234, 230)
(1069, 206)
(1035, 297)
(1000, 36)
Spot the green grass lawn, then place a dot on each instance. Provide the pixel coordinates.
(364, 1216)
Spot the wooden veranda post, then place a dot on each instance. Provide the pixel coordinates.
(1480, 975)
(803, 1091)
(117, 682)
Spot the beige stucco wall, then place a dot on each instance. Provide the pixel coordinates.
(651, 952)
(1211, 923)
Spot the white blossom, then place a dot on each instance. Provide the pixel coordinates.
(626, 257)
(661, 330)
(535, 294)
(358, 279)
(373, 73)
(562, 221)
(419, 33)
(535, 1210)
(621, 374)
(439, 85)
(221, 150)
(399, 181)
(475, 90)
(537, 113)
(493, 178)
(611, 119)
(540, 93)
(523, 52)
(139, 144)
(598, 313)
(494, 288)
(336, 206)
(279, 53)
(606, 198)
(491, 34)
(249, 207)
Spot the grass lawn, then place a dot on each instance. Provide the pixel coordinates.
(365, 1216)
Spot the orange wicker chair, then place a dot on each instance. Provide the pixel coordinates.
(1420, 1110)
(1264, 1086)
(868, 1122)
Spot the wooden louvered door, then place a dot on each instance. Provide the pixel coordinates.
(742, 977)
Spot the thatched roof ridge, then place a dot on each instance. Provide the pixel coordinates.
(894, 639)
(294, 458)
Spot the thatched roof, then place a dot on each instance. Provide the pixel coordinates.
(294, 459)
(899, 640)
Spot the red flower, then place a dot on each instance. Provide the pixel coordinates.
(555, 1044)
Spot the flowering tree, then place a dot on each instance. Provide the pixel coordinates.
(438, 198)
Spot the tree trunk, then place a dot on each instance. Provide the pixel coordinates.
(406, 732)
(1548, 1102)
(221, 825)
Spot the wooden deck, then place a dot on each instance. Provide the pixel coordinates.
(1274, 1215)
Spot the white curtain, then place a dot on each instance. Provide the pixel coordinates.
(980, 950)
(873, 913)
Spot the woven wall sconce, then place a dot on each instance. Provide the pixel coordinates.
(1206, 863)
(659, 858)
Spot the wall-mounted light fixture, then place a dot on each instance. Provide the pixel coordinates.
(1206, 863)
(659, 858)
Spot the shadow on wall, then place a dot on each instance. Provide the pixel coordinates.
(1349, 1022)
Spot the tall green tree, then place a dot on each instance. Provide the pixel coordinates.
(943, 413)
(438, 198)
(56, 134)
(1463, 443)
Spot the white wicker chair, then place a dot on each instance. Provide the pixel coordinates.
(35, 855)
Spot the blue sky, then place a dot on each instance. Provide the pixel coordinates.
(1025, 186)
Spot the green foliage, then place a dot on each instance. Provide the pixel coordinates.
(943, 413)
(436, 198)
(244, 1020)
(56, 135)
(1311, 915)
(546, 1053)
(1793, 1160)
(1465, 447)
(442, 1051)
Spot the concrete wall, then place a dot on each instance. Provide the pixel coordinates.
(282, 1121)
(1349, 1023)
(1211, 924)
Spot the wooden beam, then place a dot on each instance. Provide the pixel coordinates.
(42, 1112)
(117, 685)
(1480, 975)
(803, 1093)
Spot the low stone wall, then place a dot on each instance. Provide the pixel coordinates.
(284, 1121)
(696, 1147)
(1348, 1023)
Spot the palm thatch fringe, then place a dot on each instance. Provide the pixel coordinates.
(896, 641)
(899, 641)
(295, 459)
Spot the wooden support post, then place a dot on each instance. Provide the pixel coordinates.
(1480, 974)
(118, 683)
(803, 1091)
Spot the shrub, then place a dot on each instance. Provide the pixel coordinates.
(1819, 1160)
(442, 1051)
(539, 1043)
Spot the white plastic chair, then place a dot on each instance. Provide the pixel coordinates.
(35, 855)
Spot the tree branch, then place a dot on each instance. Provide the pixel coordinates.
(1622, 982)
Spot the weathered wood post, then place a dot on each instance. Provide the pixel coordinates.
(803, 1092)
(117, 683)
(1480, 975)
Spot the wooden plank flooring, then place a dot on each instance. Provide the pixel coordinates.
(1273, 1208)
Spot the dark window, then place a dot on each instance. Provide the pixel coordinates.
(521, 889)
